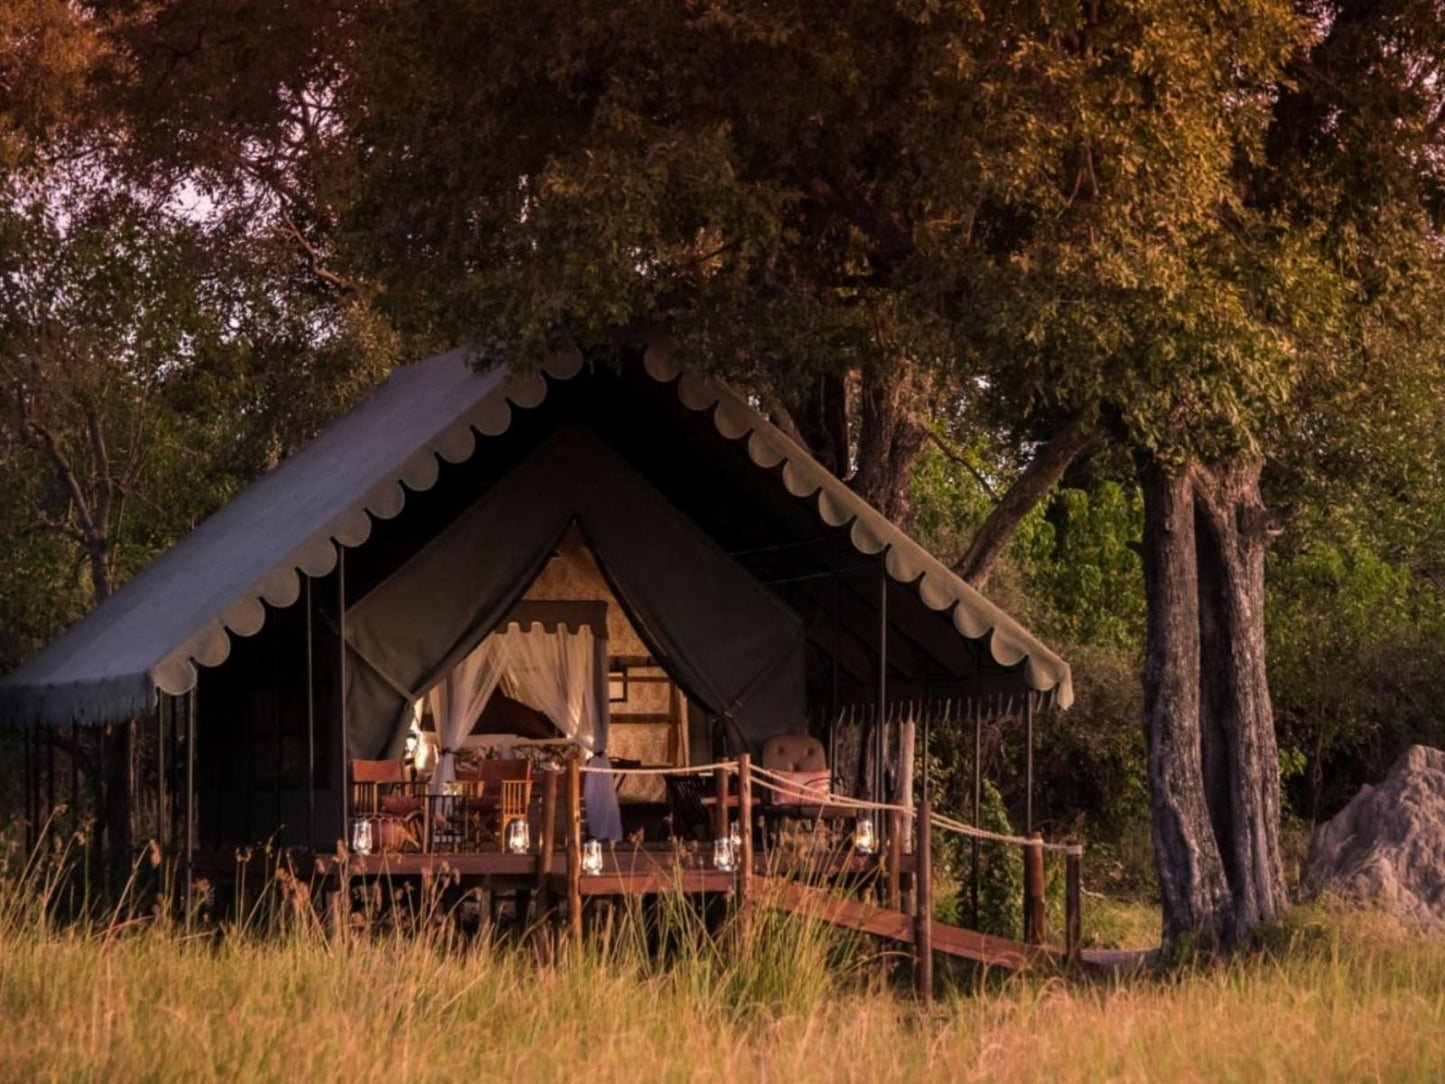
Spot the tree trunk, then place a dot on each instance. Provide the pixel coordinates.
(821, 421)
(890, 437)
(1209, 727)
(1191, 876)
(1241, 758)
(98, 554)
(1040, 476)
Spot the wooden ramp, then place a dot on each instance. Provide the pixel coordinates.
(878, 921)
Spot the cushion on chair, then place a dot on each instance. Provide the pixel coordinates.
(398, 804)
(794, 753)
(802, 788)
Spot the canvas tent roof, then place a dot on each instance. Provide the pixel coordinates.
(183, 609)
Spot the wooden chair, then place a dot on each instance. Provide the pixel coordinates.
(691, 819)
(369, 780)
(456, 817)
(511, 781)
(516, 798)
(381, 792)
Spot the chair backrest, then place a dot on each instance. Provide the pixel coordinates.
(516, 794)
(495, 772)
(794, 753)
(378, 771)
(690, 818)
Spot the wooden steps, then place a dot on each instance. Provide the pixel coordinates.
(878, 921)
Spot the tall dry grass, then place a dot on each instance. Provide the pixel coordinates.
(658, 997)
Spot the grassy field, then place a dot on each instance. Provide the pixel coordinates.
(1330, 997)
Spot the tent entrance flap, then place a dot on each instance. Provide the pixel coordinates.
(554, 667)
(725, 637)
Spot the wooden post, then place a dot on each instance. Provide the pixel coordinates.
(546, 839)
(574, 850)
(895, 860)
(1073, 889)
(720, 814)
(923, 921)
(1035, 923)
(745, 830)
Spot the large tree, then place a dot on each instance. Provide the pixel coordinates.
(1172, 226)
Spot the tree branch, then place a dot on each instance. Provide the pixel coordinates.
(1030, 487)
(955, 456)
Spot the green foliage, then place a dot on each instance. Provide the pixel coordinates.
(148, 369)
(1357, 644)
(1000, 874)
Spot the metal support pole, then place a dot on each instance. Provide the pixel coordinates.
(275, 740)
(28, 736)
(74, 773)
(879, 749)
(310, 726)
(163, 833)
(833, 701)
(1028, 763)
(342, 766)
(977, 804)
(745, 833)
(49, 777)
(190, 794)
(132, 783)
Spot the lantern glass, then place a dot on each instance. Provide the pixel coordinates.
(865, 839)
(592, 857)
(518, 837)
(363, 836)
(722, 854)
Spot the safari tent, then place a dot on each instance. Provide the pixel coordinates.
(626, 550)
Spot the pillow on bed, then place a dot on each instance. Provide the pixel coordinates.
(802, 788)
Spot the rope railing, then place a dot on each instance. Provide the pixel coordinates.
(688, 769)
(948, 823)
(794, 790)
(779, 783)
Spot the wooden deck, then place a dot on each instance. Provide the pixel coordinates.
(833, 885)
(639, 871)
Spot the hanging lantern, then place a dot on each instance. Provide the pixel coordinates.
(592, 857)
(865, 838)
(518, 838)
(363, 836)
(723, 855)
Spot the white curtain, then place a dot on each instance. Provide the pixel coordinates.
(551, 672)
(457, 702)
(561, 674)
